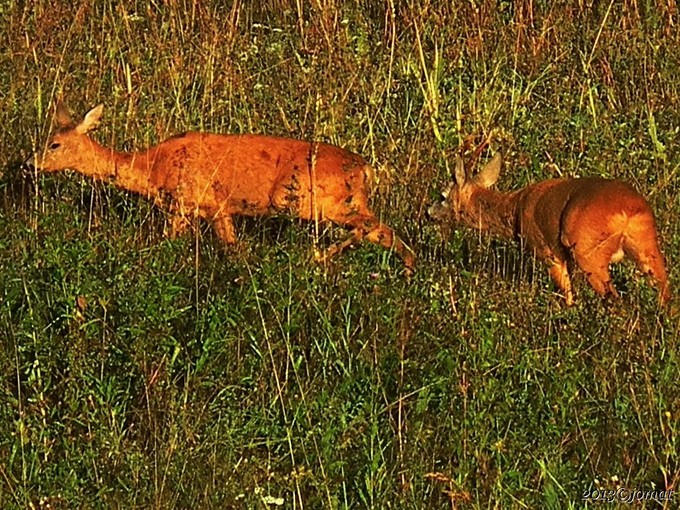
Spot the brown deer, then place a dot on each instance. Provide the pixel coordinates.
(216, 176)
(588, 221)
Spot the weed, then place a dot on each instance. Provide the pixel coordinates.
(142, 372)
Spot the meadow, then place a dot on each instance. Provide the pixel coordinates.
(138, 371)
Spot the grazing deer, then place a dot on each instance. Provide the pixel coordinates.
(217, 176)
(589, 221)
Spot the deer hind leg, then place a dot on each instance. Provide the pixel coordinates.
(593, 254)
(368, 227)
(643, 246)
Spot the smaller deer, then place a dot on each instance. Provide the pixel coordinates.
(588, 221)
(217, 176)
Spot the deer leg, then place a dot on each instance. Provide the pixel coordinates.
(336, 248)
(594, 259)
(644, 249)
(224, 226)
(178, 225)
(600, 280)
(355, 235)
(385, 236)
(371, 229)
(559, 273)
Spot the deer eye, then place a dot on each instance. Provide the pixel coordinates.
(54, 146)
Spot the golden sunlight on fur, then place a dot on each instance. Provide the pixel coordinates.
(217, 176)
(591, 222)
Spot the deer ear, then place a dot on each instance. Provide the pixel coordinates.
(490, 173)
(91, 120)
(459, 172)
(63, 114)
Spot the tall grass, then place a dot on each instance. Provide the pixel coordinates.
(138, 371)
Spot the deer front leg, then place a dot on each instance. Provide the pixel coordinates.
(178, 225)
(560, 275)
(224, 226)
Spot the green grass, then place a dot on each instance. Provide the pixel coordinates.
(140, 372)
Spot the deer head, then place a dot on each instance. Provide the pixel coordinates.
(68, 146)
(458, 197)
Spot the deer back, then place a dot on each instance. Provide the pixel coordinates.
(252, 174)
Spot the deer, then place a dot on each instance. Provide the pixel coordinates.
(589, 222)
(216, 176)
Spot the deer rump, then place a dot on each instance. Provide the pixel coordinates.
(591, 222)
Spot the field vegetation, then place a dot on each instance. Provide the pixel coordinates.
(138, 371)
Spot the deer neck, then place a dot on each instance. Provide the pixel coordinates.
(493, 211)
(126, 170)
